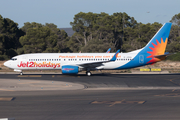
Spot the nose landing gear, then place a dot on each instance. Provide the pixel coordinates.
(21, 73)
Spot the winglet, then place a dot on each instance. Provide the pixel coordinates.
(108, 51)
(115, 56)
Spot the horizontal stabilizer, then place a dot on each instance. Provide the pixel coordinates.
(164, 55)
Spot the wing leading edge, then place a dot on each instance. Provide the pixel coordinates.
(96, 64)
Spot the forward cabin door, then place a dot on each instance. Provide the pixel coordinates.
(24, 59)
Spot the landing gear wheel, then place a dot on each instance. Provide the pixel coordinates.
(21, 73)
(88, 73)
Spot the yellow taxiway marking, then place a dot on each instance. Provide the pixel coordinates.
(144, 69)
(156, 69)
(170, 95)
(171, 80)
(6, 98)
(29, 75)
(112, 103)
(53, 75)
(173, 90)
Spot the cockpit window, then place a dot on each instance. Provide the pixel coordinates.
(13, 59)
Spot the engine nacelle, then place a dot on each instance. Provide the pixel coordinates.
(68, 69)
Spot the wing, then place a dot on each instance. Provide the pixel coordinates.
(108, 51)
(96, 64)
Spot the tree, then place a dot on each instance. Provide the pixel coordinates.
(174, 37)
(9, 37)
(83, 23)
(121, 24)
(100, 27)
(176, 19)
(42, 38)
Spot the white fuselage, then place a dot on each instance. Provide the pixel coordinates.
(42, 61)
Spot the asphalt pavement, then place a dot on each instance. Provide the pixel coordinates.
(103, 96)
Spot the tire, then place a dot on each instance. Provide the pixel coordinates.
(88, 73)
(21, 73)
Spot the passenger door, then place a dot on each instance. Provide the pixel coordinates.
(141, 59)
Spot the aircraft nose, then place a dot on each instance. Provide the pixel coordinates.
(7, 63)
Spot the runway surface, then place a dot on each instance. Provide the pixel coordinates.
(104, 96)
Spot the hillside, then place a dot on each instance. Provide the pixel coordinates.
(69, 31)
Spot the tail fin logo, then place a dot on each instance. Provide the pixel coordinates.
(158, 49)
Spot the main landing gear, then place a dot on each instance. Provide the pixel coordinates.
(88, 73)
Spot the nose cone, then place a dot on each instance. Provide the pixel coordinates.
(7, 63)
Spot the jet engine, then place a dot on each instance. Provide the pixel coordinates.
(69, 69)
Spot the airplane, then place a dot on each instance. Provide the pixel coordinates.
(73, 63)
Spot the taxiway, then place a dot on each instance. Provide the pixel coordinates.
(101, 96)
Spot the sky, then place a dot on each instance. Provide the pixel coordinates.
(62, 12)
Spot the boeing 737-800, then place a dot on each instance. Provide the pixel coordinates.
(72, 63)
